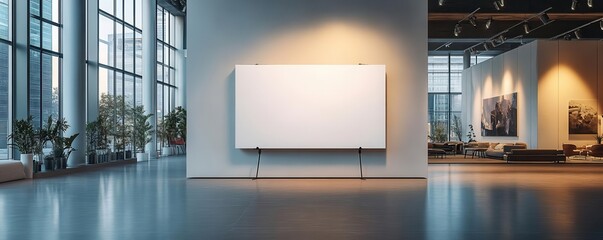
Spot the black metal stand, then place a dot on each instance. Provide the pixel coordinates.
(360, 160)
(257, 170)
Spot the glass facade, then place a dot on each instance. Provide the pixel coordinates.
(445, 93)
(44, 59)
(166, 70)
(120, 66)
(5, 74)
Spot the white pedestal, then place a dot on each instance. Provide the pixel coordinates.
(27, 161)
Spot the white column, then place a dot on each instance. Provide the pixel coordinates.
(74, 76)
(149, 67)
(20, 97)
(180, 63)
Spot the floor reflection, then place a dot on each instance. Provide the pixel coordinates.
(154, 200)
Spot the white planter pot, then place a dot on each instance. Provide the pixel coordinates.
(166, 151)
(27, 160)
(141, 157)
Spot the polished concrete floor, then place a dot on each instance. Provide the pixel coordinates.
(154, 200)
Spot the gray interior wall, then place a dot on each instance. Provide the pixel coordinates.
(222, 34)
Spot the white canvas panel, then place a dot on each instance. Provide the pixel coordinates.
(310, 106)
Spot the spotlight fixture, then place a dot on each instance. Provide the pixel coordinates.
(472, 19)
(457, 30)
(574, 3)
(526, 28)
(472, 51)
(567, 37)
(489, 23)
(441, 2)
(601, 24)
(501, 3)
(544, 18)
(496, 5)
(486, 47)
(578, 34)
(589, 3)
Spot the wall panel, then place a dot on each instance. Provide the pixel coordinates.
(226, 33)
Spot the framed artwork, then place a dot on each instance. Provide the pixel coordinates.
(499, 115)
(582, 116)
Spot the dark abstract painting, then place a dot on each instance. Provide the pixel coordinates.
(582, 116)
(499, 115)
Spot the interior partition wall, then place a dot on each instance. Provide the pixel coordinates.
(268, 32)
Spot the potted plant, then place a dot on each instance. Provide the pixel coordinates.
(141, 130)
(61, 146)
(168, 129)
(92, 139)
(181, 125)
(23, 138)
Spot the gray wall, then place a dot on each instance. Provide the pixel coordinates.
(222, 34)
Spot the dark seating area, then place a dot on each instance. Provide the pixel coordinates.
(532, 155)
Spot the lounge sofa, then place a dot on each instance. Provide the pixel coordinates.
(498, 150)
(550, 155)
(11, 170)
(450, 147)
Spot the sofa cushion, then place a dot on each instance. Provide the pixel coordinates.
(499, 146)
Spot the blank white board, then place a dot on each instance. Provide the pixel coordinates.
(310, 106)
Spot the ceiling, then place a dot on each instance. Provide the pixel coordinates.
(508, 21)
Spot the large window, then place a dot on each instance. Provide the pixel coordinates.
(5, 74)
(445, 94)
(166, 55)
(120, 65)
(44, 59)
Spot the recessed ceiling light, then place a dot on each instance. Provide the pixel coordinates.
(441, 2)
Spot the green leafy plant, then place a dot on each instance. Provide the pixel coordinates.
(23, 136)
(142, 129)
(439, 132)
(112, 118)
(53, 131)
